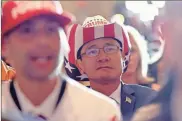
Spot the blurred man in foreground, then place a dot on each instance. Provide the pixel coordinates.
(34, 42)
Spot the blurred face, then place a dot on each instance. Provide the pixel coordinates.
(101, 60)
(34, 48)
(134, 58)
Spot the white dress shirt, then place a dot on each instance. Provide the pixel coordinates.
(47, 106)
(116, 95)
(78, 104)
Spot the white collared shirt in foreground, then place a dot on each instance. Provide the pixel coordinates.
(78, 104)
(116, 95)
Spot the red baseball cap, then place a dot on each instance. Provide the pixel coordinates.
(16, 12)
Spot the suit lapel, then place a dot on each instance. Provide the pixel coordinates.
(127, 100)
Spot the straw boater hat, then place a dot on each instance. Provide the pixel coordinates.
(94, 28)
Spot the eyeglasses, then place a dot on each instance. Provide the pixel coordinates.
(92, 52)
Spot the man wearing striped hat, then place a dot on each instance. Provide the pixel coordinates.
(101, 50)
(34, 42)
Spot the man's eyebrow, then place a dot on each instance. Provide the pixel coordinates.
(94, 45)
(91, 46)
(48, 19)
(28, 22)
(52, 21)
(109, 44)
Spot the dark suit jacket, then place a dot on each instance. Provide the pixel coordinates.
(133, 97)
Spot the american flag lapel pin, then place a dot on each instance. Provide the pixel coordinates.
(128, 100)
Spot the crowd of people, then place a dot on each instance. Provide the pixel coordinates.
(54, 69)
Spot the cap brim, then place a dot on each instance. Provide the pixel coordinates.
(64, 18)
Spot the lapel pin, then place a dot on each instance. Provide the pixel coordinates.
(128, 100)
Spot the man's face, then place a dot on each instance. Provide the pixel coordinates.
(33, 48)
(105, 67)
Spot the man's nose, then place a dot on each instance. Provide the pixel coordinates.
(102, 57)
(42, 39)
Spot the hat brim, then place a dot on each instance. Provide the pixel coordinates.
(64, 18)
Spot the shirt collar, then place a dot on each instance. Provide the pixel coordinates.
(116, 95)
(47, 106)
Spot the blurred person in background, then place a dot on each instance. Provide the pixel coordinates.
(138, 65)
(101, 51)
(34, 42)
(157, 71)
(156, 50)
(166, 106)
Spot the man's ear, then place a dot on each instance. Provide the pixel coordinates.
(79, 65)
(4, 48)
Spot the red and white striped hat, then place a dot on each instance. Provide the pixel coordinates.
(93, 28)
